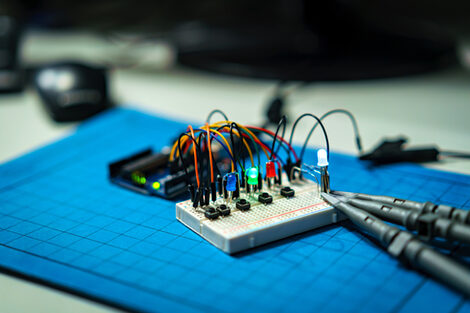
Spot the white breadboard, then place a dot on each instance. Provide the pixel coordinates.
(262, 223)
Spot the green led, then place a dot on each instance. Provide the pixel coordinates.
(156, 185)
(138, 178)
(252, 176)
(135, 177)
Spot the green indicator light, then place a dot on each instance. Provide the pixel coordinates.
(135, 177)
(156, 185)
(252, 176)
(138, 178)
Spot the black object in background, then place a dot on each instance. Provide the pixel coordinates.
(360, 53)
(72, 91)
(392, 151)
(309, 40)
(11, 78)
(328, 41)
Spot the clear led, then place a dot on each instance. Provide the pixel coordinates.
(322, 157)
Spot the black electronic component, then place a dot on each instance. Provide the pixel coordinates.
(211, 213)
(223, 210)
(236, 193)
(191, 192)
(72, 91)
(289, 166)
(220, 185)
(243, 205)
(201, 197)
(153, 174)
(207, 196)
(213, 191)
(145, 164)
(260, 182)
(265, 198)
(149, 173)
(287, 192)
(197, 197)
(279, 175)
(243, 180)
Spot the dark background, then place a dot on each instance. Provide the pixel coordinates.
(160, 16)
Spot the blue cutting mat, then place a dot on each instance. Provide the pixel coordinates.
(63, 223)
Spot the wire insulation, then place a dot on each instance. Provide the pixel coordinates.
(354, 124)
(319, 122)
(282, 123)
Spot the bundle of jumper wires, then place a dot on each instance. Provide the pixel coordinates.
(246, 147)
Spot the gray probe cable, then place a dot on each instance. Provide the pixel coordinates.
(404, 246)
(444, 211)
(428, 225)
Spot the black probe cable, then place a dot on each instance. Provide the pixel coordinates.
(455, 154)
(354, 124)
(281, 143)
(404, 246)
(322, 127)
(282, 123)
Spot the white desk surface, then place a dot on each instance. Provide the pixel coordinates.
(429, 109)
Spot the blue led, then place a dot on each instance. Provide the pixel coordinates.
(231, 182)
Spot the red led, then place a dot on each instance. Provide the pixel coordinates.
(270, 169)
